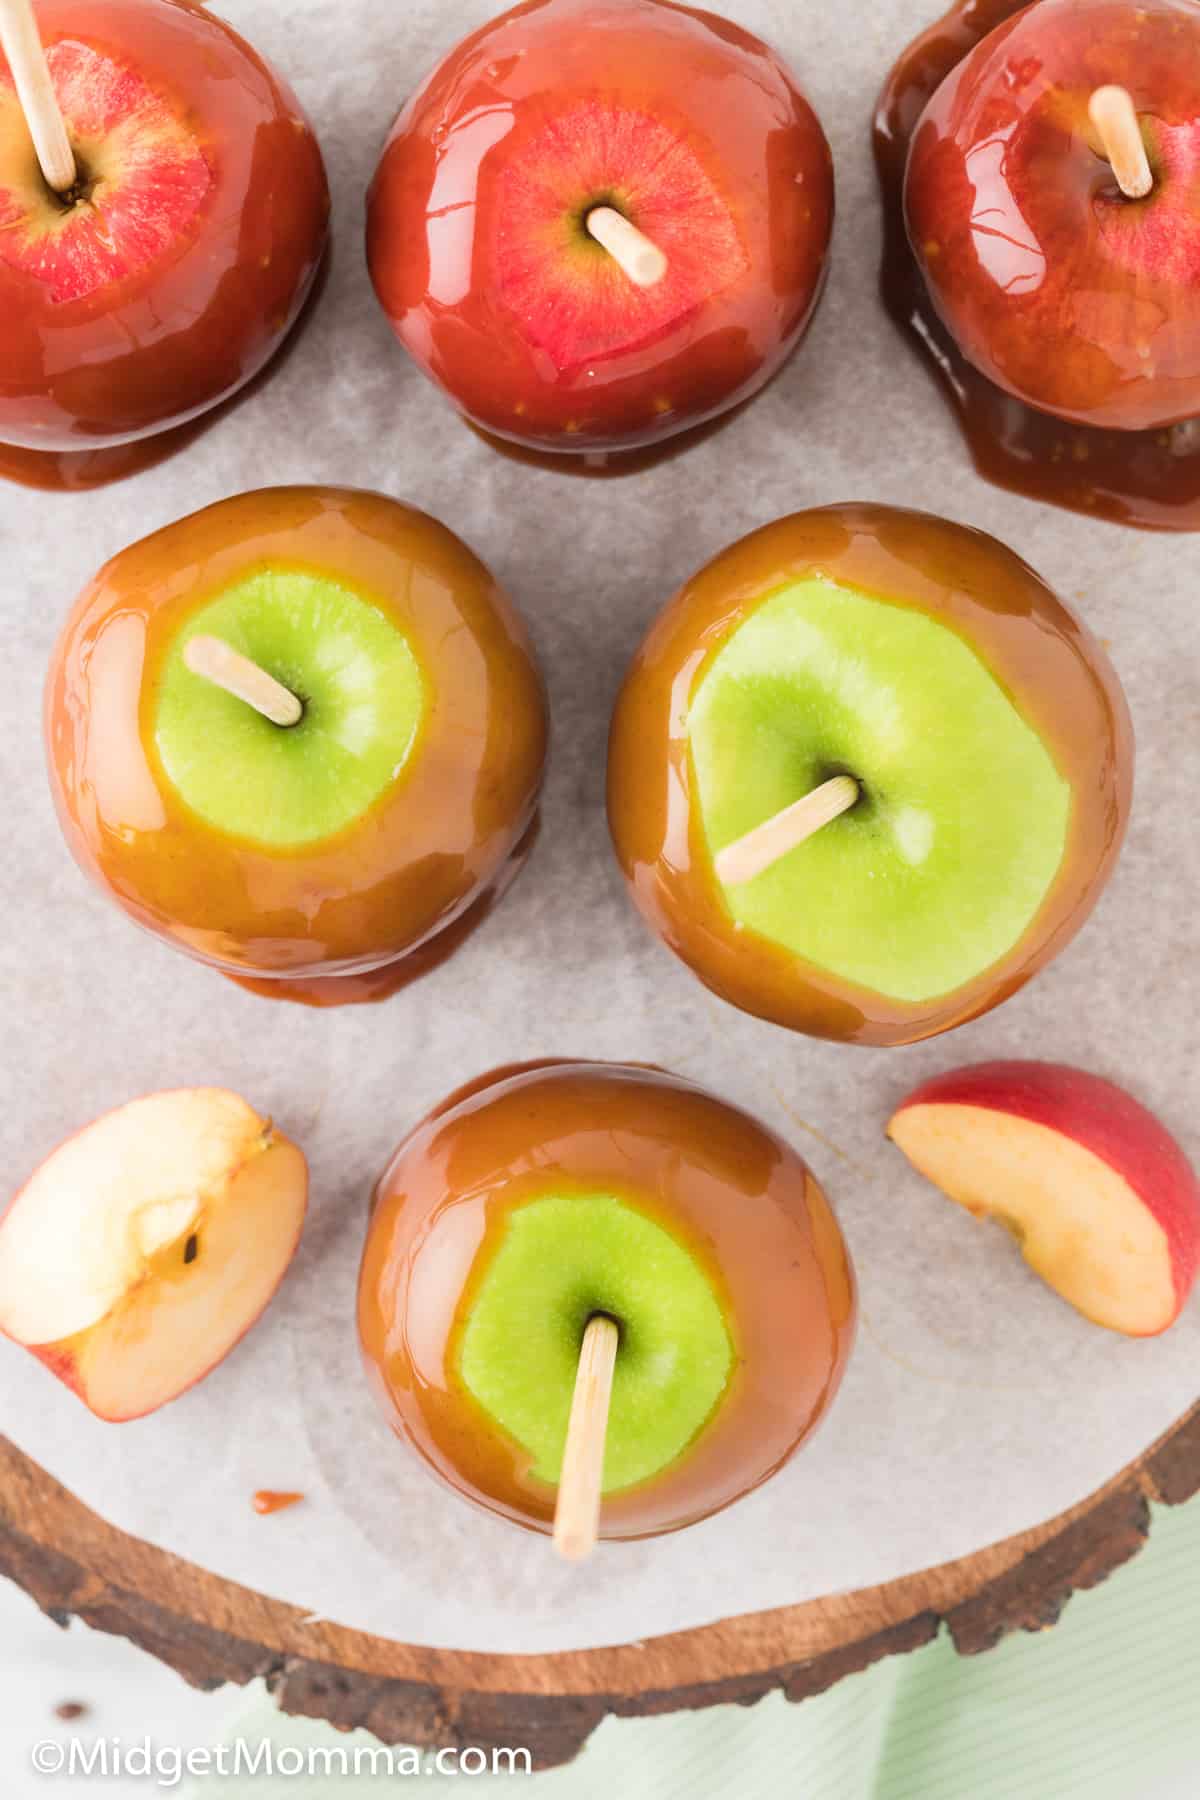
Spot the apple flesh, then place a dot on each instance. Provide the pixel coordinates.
(362, 839)
(933, 874)
(986, 731)
(1081, 302)
(141, 178)
(363, 694)
(563, 1258)
(538, 1197)
(477, 234)
(1101, 1198)
(146, 1246)
(171, 272)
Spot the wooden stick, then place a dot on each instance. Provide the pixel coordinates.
(27, 61)
(577, 1512)
(642, 261)
(227, 668)
(748, 856)
(1114, 115)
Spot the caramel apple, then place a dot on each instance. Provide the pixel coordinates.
(601, 222)
(174, 253)
(867, 773)
(972, 295)
(544, 1206)
(300, 735)
(1051, 204)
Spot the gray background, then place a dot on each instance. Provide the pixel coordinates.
(977, 1402)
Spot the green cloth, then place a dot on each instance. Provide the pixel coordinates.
(1107, 1706)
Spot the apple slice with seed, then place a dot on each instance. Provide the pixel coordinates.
(1100, 1197)
(146, 1246)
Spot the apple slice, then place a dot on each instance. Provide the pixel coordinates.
(1102, 1200)
(146, 1246)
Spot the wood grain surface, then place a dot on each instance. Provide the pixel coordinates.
(213, 1631)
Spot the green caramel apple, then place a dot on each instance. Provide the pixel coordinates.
(983, 727)
(820, 680)
(543, 1198)
(336, 855)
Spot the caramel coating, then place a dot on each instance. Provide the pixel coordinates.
(1042, 655)
(434, 843)
(438, 208)
(743, 1202)
(1144, 478)
(169, 340)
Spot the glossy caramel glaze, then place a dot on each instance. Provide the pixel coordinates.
(1073, 297)
(79, 471)
(435, 843)
(745, 1205)
(372, 985)
(439, 213)
(609, 465)
(1145, 478)
(1046, 660)
(170, 339)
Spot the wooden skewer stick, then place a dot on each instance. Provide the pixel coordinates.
(577, 1511)
(748, 856)
(31, 75)
(1114, 115)
(642, 260)
(227, 668)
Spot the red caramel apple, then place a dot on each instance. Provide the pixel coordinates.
(335, 852)
(169, 273)
(542, 1197)
(567, 121)
(963, 738)
(1149, 479)
(1100, 1197)
(1058, 279)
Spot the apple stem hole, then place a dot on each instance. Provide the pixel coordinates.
(26, 59)
(599, 1313)
(191, 1250)
(78, 194)
(641, 259)
(784, 831)
(214, 660)
(1115, 120)
(577, 1509)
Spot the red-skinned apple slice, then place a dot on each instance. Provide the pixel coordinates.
(1103, 1201)
(144, 1248)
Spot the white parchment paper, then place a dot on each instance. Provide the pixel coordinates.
(977, 1403)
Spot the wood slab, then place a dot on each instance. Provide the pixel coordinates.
(212, 1631)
